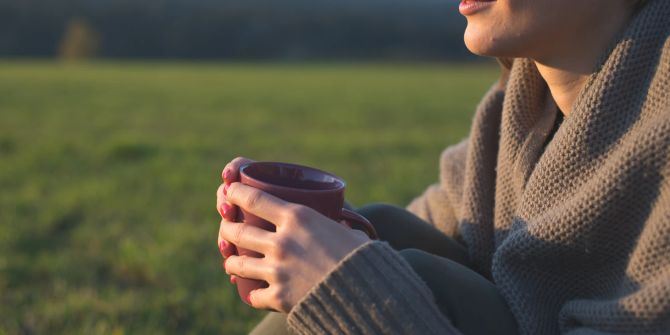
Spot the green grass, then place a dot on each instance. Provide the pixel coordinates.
(108, 174)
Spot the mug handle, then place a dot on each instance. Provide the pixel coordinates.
(350, 218)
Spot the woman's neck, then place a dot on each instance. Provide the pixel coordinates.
(565, 85)
(568, 65)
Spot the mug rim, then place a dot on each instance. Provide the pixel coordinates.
(342, 183)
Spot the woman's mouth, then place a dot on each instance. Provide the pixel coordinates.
(470, 7)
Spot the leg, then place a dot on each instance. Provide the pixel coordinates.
(404, 230)
(272, 324)
(468, 300)
(471, 302)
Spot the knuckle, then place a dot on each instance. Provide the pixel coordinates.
(234, 192)
(282, 275)
(296, 214)
(275, 274)
(253, 200)
(282, 247)
(239, 233)
(240, 269)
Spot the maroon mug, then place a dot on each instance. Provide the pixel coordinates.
(322, 191)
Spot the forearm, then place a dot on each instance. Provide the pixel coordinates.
(372, 291)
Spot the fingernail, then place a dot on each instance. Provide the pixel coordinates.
(225, 189)
(226, 176)
(249, 299)
(225, 209)
(233, 280)
(222, 247)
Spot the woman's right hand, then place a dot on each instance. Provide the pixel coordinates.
(229, 175)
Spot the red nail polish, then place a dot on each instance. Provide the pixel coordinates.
(249, 299)
(225, 209)
(233, 280)
(225, 189)
(226, 176)
(222, 247)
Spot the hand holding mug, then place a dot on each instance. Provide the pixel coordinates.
(302, 245)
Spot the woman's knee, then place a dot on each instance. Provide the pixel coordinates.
(377, 213)
(419, 260)
(404, 230)
(387, 221)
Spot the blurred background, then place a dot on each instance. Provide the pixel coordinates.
(116, 118)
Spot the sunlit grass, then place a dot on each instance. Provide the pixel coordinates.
(108, 173)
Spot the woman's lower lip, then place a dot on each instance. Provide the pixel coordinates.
(469, 7)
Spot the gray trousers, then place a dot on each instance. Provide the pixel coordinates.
(468, 300)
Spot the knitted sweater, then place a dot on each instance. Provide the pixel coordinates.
(576, 235)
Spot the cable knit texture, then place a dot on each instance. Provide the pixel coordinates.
(576, 235)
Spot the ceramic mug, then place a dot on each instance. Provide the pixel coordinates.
(319, 190)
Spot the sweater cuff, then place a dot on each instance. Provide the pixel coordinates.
(373, 290)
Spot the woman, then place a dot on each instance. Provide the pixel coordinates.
(554, 214)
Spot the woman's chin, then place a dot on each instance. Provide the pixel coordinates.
(478, 44)
(485, 44)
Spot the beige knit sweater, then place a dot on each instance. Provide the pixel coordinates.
(576, 237)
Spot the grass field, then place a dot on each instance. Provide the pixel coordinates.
(108, 173)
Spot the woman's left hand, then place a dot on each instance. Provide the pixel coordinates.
(305, 247)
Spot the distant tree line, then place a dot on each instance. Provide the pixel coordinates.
(233, 29)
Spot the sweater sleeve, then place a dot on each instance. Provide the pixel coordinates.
(372, 291)
(439, 204)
